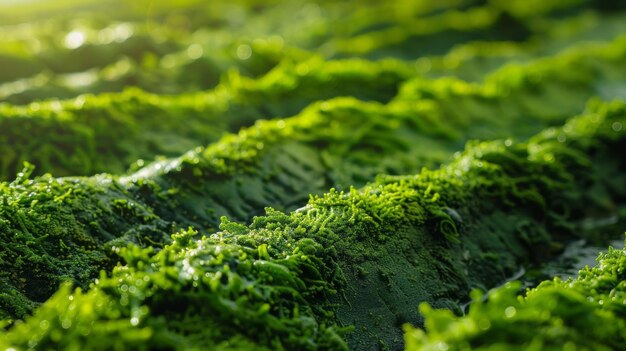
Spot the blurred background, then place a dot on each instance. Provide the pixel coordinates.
(62, 48)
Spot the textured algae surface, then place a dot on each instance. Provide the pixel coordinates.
(292, 280)
(170, 188)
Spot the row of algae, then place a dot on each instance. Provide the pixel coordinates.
(44, 45)
(176, 56)
(342, 270)
(185, 70)
(108, 132)
(582, 313)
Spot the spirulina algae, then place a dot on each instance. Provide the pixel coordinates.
(182, 252)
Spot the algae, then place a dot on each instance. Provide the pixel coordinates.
(213, 226)
(291, 280)
(274, 163)
(265, 165)
(585, 313)
(109, 132)
(168, 52)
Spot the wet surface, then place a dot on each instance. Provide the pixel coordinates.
(576, 256)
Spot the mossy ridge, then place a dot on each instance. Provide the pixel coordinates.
(585, 313)
(496, 208)
(298, 83)
(145, 207)
(342, 133)
(108, 132)
(474, 60)
(42, 48)
(185, 68)
(557, 314)
(177, 72)
(517, 90)
(55, 230)
(285, 280)
(396, 33)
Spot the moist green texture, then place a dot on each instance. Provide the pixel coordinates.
(304, 175)
(109, 132)
(276, 163)
(284, 73)
(292, 280)
(585, 313)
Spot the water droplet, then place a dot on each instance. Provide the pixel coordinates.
(510, 312)
(484, 324)
(194, 51)
(244, 51)
(122, 32)
(44, 324)
(66, 324)
(441, 346)
(617, 126)
(423, 65)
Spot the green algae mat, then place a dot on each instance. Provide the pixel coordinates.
(312, 175)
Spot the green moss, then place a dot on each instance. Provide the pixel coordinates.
(555, 315)
(337, 269)
(173, 50)
(290, 280)
(86, 123)
(109, 132)
(277, 163)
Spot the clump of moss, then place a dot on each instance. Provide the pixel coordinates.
(256, 299)
(340, 271)
(585, 313)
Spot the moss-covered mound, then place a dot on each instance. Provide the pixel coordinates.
(348, 258)
(586, 313)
